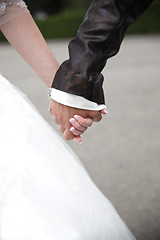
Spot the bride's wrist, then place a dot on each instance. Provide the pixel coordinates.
(50, 93)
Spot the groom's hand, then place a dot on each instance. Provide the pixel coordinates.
(63, 114)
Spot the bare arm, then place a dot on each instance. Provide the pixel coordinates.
(25, 37)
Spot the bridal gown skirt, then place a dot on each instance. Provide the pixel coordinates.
(45, 192)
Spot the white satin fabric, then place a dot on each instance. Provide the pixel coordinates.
(45, 192)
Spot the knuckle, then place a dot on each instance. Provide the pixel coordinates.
(83, 122)
(68, 135)
(76, 125)
(82, 129)
(98, 118)
(95, 114)
(77, 133)
(79, 127)
(89, 123)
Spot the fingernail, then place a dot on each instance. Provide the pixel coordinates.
(80, 142)
(79, 139)
(72, 120)
(76, 117)
(72, 129)
(76, 140)
(105, 112)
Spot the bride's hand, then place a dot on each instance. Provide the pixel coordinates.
(79, 126)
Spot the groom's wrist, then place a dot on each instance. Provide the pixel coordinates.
(72, 100)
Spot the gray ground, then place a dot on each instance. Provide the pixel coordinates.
(122, 153)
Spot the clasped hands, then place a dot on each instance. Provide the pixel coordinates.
(73, 121)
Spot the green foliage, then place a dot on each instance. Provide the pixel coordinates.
(75, 4)
(63, 25)
(48, 6)
(149, 22)
(2, 38)
(55, 6)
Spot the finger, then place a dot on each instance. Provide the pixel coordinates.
(84, 122)
(68, 135)
(78, 139)
(76, 125)
(103, 111)
(75, 131)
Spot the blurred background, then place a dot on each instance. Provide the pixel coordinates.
(61, 18)
(122, 152)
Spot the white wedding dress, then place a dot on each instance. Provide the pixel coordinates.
(45, 192)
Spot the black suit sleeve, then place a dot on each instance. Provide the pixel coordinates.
(98, 38)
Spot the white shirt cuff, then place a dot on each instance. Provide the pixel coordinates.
(74, 100)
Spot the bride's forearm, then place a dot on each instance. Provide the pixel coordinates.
(25, 37)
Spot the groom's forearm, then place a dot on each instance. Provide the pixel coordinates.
(99, 38)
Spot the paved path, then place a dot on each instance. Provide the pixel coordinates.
(122, 153)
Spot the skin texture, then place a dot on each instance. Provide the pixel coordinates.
(25, 37)
(23, 34)
(73, 121)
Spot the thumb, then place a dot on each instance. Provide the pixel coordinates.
(68, 135)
